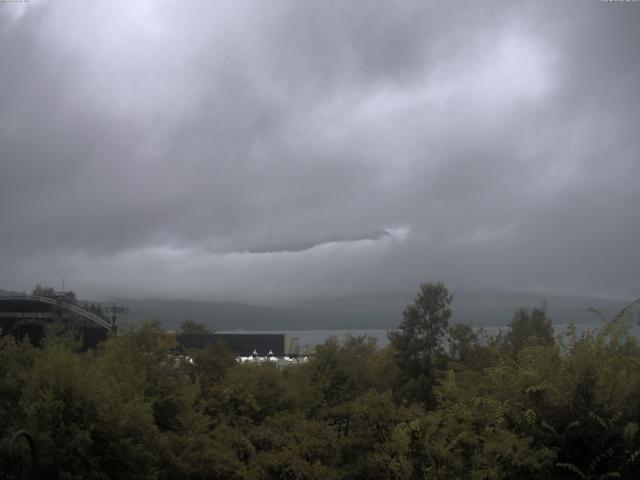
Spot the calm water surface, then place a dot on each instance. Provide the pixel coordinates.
(307, 339)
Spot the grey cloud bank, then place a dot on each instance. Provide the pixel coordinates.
(256, 150)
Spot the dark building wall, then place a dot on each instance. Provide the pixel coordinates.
(24, 305)
(242, 344)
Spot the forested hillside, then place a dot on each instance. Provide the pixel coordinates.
(370, 311)
(440, 402)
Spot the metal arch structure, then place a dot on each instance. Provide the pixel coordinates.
(81, 312)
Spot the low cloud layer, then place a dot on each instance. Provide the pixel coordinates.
(256, 150)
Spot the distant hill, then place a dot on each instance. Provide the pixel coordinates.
(478, 307)
(494, 308)
(231, 316)
(384, 311)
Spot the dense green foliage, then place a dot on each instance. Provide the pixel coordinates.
(526, 405)
(191, 326)
(417, 345)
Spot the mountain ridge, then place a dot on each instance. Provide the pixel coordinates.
(478, 308)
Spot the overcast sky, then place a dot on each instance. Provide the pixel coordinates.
(273, 150)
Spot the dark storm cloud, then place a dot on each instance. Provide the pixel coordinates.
(246, 150)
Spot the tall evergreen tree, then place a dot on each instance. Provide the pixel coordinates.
(418, 340)
(530, 327)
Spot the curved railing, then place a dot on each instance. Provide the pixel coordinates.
(67, 306)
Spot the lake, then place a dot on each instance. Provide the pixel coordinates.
(307, 339)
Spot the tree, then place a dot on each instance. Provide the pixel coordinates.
(418, 340)
(40, 291)
(192, 326)
(530, 327)
(462, 339)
